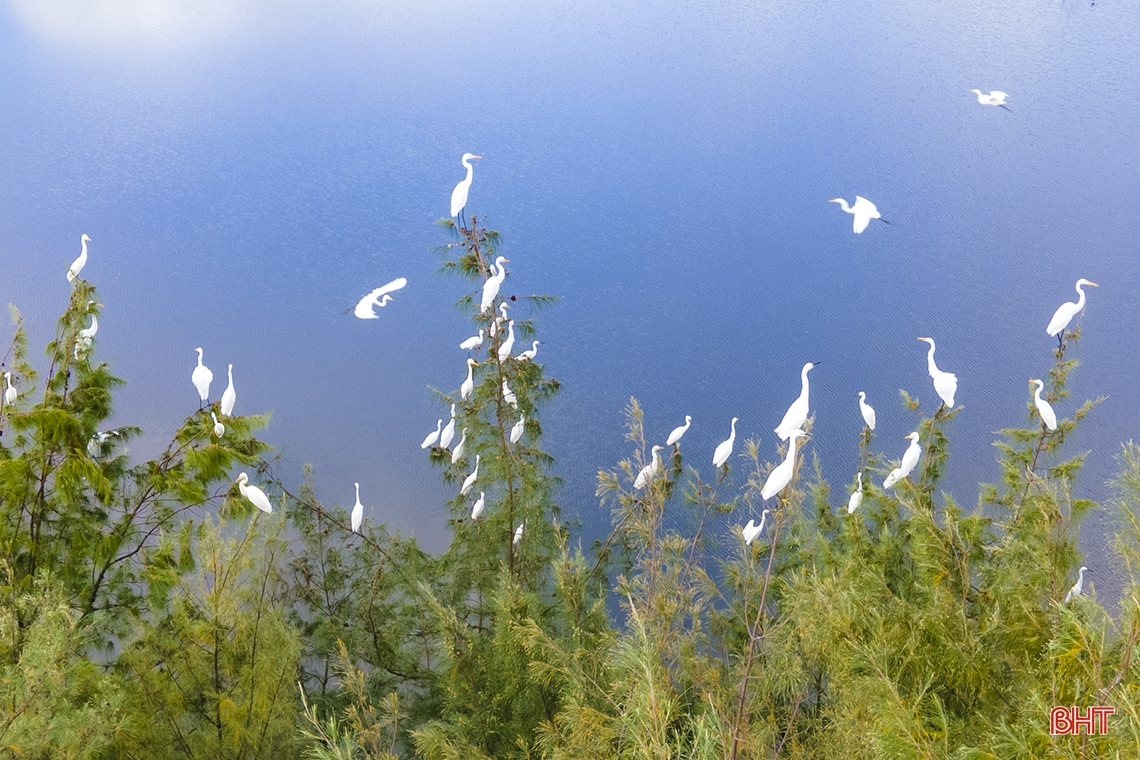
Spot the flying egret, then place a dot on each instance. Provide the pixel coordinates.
(856, 499)
(470, 480)
(797, 413)
(77, 265)
(457, 452)
(752, 530)
(219, 428)
(995, 98)
(1048, 416)
(782, 474)
(518, 429)
(507, 345)
(509, 395)
(493, 283)
(10, 394)
(473, 342)
(357, 511)
(863, 210)
(202, 377)
(477, 507)
(255, 495)
(679, 431)
(377, 297)
(432, 438)
(1067, 311)
(945, 383)
(649, 471)
(468, 384)
(530, 353)
(867, 410)
(518, 534)
(449, 431)
(459, 194)
(724, 449)
(909, 460)
(1078, 587)
(229, 396)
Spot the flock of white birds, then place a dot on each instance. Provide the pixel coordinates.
(790, 428)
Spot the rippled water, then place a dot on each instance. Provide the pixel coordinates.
(247, 170)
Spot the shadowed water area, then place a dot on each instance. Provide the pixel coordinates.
(249, 170)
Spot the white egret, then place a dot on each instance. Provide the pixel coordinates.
(518, 429)
(797, 413)
(478, 506)
(945, 383)
(433, 438)
(10, 394)
(856, 499)
(509, 395)
(357, 511)
(449, 431)
(457, 452)
(530, 353)
(867, 410)
(507, 345)
(1048, 416)
(470, 480)
(85, 336)
(782, 474)
(724, 449)
(518, 534)
(995, 98)
(95, 444)
(1078, 587)
(493, 283)
(679, 431)
(473, 342)
(469, 383)
(77, 265)
(500, 320)
(255, 495)
(229, 396)
(906, 466)
(863, 210)
(219, 428)
(1067, 311)
(377, 297)
(202, 377)
(752, 530)
(459, 194)
(649, 471)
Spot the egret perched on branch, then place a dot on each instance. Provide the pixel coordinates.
(449, 431)
(459, 194)
(1048, 416)
(80, 262)
(477, 507)
(10, 394)
(530, 353)
(469, 383)
(649, 471)
(863, 210)
(219, 428)
(470, 480)
(679, 431)
(377, 297)
(499, 321)
(507, 345)
(255, 495)
(945, 383)
(752, 530)
(518, 534)
(202, 377)
(509, 395)
(457, 452)
(782, 474)
(518, 429)
(867, 410)
(724, 450)
(473, 342)
(909, 460)
(856, 499)
(797, 413)
(995, 98)
(87, 335)
(432, 438)
(357, 511)
(229, 396)
(1078, 587)
(493, 283)
(1067, 311)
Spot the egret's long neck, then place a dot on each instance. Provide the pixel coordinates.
(843, 205)
(792, 448)
(930, 365)
(1081, 300)
(733, 436)
(199, 358)
(804, 383)
(83, 251)
(1037, 393)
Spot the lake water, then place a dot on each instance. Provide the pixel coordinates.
(247, 170)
